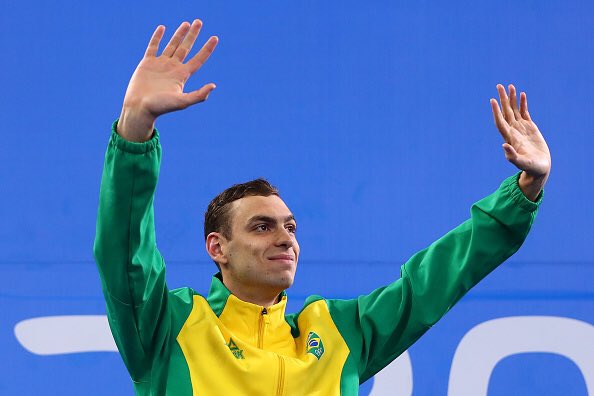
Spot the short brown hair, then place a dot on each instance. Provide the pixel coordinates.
(217, 216)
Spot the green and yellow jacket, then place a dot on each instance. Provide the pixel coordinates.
(179, 342)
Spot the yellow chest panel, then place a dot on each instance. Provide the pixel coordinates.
(244, 352)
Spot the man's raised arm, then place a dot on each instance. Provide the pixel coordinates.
(131, 268)
(390, 319)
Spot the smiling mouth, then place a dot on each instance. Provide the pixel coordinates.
(282, 257)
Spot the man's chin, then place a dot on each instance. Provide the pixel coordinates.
(282, 283)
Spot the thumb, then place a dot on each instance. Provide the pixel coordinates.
(510, 152)
(199, 95)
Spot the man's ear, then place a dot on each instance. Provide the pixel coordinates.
(215, 247)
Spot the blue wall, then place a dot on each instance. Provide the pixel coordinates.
(372, 119)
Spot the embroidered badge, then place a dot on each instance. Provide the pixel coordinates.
(315, 345)
(238, 353)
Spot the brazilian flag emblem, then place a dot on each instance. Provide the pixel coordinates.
(315, 345)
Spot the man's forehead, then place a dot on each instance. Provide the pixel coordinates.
(273, 206)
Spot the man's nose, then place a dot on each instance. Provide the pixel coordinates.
(284, 238)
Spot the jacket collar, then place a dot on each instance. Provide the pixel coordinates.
(219, 294)
(250, 322)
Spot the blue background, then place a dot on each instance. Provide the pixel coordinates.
(372, 118)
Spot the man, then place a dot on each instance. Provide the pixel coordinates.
(237, 340)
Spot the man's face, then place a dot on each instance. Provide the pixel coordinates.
(262, 253)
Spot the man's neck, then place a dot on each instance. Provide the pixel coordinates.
(253, 296)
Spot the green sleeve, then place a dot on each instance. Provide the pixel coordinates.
(131, 268)
(380, 326)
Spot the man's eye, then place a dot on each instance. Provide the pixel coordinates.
(262, 227)
(292, 229)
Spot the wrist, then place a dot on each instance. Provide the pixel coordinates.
(134, 124)
(532, 185)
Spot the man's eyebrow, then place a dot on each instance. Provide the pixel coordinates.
(268, 219)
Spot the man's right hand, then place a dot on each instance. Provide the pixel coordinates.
(157, 85)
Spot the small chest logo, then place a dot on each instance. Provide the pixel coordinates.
(315, 345)
(238, 353)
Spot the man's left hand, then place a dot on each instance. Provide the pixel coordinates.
(524, 145)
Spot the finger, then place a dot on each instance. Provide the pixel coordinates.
(202, 56)
(200, 95)
(153, 46)
(186, 46)
(500, 122)
(524, 107)
(514, 102)
(176, 39)
(521, 162)
(510, 153)
(505, 107)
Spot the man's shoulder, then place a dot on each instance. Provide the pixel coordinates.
(308, 301)
(183, 295)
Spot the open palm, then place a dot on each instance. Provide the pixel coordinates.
(157, 85)
(524, 145)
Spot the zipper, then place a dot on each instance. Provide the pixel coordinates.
(264, 320)
(281, 376)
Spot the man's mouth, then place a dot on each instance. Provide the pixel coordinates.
(282, 257)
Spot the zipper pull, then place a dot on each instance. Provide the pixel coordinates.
(265, 316)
